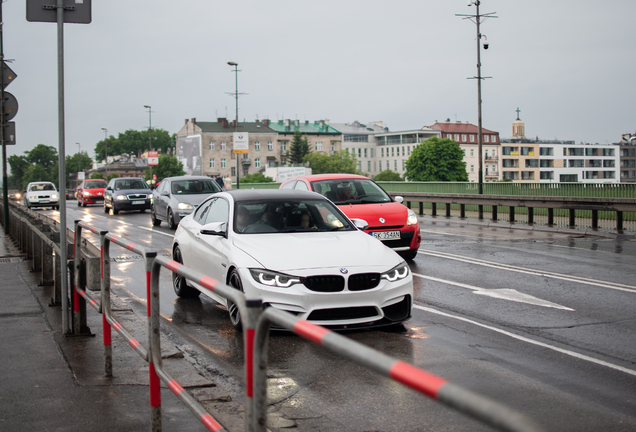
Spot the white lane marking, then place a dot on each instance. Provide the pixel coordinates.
(531, 341)
(155, 232)
(582, 280)
(503, 294)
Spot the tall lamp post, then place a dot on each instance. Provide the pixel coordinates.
(236, 96)
(149, 135)
(79, 157)
(106, 151)
(477, 19)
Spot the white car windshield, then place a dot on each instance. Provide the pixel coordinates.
(351, 191)
(41, 187)
(286, 216)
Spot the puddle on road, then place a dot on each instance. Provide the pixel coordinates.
(416, 333)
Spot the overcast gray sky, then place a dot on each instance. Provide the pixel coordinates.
(568, 65)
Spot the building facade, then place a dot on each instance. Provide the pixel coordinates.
(627, 149)
(320, 135)
(466, 135)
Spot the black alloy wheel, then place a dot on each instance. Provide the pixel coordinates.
(171, 223)
(179, 283)
(235, 314)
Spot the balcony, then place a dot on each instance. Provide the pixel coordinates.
(492, 158)
(246, 161)
(283, 152)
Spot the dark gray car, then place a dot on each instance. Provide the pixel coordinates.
(127, 193)
(177, 197)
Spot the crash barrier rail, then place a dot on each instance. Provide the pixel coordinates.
(151, 355)
(256, 326)
(529, 203)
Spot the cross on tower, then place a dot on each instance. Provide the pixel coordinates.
(518, 111)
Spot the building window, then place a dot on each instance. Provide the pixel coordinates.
(380, 165)
(283, 146)
(403, 151)
(576, 163)
(472, 138)
(532, 163)
(257, 163)
(371, 152)
(211, 163)
(463, 138)
(546, 175)
(569, 178)
(546, 163)
(223, 163)
(270, 146)
(318, 145)
(257, 146)
(403, 165)
(494, 138)
(369, 166)
(472, 168)
(510, 163)
(608, 152)
(486, 138)
(211, 145)
(283, 161)
(333, 148)
(222, 145)
(359, 152)
(486, 154)
(233, 171)
(395, 165)
(382, 151)
(511, 175)
(365, 152)
(472, 152)
(408, 151)
(527, 175)
(546, 151)
(392, 151)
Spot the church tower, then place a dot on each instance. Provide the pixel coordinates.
(518, 128)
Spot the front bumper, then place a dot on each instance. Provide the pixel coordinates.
(128, 204)
(388, 303)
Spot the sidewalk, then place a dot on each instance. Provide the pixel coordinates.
(56, 383)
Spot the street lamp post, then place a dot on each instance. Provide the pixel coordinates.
(477, 18)
(106, 151)
(79, 157)
(236, 96)
(149, 136)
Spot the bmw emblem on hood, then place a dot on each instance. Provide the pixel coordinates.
(382, 220)
(344, 271)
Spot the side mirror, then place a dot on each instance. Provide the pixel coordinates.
(109, 188)
(164, 193)
(399, 199)
(214, 228)
(361, 224)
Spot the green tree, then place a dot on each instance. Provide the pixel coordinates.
(133, 142)
(436, 160)
(96, 176)
(78, 162)
(37, 164)
(19, 166)
(388, 175)
(256, 178)
(339, 162)
(43, 155)
(299, 148)
(169, 166)
(111, 176)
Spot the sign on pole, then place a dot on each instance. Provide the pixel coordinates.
(7, 74)
(81, 176)
(75, 11)
(153, 158)
(241, 142)
(9, 133)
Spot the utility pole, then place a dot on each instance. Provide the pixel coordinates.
(477, 19)
(236, 94)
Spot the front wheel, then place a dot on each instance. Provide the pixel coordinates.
(179, 284)
(105, 208)
(235, 314)
(153, 217)
(171, 222)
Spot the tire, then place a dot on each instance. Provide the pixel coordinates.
(57, 207)
(179, 283)
(115, 209)
(105, 208)
(234, 280)
(153, 217)
(170, 219)
(79, 204)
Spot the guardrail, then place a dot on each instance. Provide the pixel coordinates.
(529, 203)
(256, 325)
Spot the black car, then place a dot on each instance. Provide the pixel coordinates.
(127, 193)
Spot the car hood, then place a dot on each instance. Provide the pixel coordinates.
(298, 251)
(194, 200)
(393, 213)
(94, 191)
(132, 191)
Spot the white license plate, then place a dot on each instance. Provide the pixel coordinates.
(386, 235)
(139, 202)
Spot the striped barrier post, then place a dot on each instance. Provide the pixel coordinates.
(253, 310)
(104, 268)
(437, 388)
(154, 333)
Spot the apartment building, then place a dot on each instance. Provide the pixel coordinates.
(320, 135)
(466, 135)
(627, 149)
(360, 140)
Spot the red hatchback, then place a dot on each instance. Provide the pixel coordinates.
(91, 192)
(360, 197)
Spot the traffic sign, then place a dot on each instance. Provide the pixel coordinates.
(75, 11)
(10, 106)
(9, 133)
(153, 158)
(7, 75)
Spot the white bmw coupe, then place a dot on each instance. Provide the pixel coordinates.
(297, 252)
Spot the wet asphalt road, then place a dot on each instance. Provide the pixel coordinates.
(543, 322)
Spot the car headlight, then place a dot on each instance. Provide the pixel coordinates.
(411, 219)
(398, 272)
(85, 193)
(32, 197)
(53, 196)
(122, 197)
(184, 206)
(270, 278)
(18, 195)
